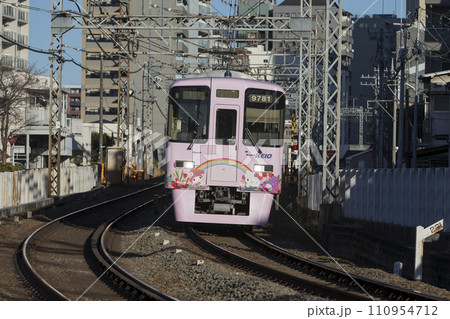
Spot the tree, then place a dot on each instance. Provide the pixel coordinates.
(13, 100)
(107, 141)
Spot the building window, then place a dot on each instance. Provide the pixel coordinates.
(441, 103)
(445, 66)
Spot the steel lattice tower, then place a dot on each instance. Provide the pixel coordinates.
(304, 108)
(332, 102)
(55, 99)
(326, 97)
(124, 79)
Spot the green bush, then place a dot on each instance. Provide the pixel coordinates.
(8, 167)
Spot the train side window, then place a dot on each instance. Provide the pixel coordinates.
(226, 127)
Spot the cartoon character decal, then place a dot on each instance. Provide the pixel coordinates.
(180, 178)
(266, 182)
(271, 185)
(251, 181)
(196, 176)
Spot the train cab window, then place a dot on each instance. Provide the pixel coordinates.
(264, 117)
(189, 114)
(226, 127)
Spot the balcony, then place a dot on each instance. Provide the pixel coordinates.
(75, 104)
(22, 64)
(10, 35)
(8, 61)
(22, 16)
(36, 116)
(204, 8)
(8, 12)
(22, 39)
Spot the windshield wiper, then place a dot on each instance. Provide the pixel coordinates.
(252, 139)
(197, 135)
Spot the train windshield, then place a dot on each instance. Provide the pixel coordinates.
(264, 117)
(189, 113)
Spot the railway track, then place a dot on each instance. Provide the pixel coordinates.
(66, 259)
(377, 289)
(102, 247)
(305, 274)
(269, 270)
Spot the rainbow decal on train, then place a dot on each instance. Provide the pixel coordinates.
(224, 161)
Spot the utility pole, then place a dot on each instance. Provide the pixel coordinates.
(401, 111)
(100, 129)
(416, 100)
(377, 143)
(143, 144)
(380, 53)
(362, 114)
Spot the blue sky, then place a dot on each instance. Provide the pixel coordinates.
(40, 29)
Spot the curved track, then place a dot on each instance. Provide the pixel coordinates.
(58, 261)
(261, 267)
(377, 289)
(101, 241)
(266, 259)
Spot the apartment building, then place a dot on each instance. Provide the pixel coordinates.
(73, 100)
(14, 28)
(428, 40)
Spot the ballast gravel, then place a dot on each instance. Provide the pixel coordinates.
(171, 264)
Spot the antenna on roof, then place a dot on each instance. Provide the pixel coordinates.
(228, 71)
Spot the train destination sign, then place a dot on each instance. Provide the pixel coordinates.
(233, 94)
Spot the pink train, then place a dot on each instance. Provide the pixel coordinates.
(225, 149)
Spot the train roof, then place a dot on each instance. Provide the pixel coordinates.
(218, 75)
(221, 74)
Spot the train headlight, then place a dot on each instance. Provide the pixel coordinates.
(262, 168)
(258, 168)
(185, 164)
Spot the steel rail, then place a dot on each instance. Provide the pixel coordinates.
(388, 291)
(145, 291)
(24, 261)
(289, 279)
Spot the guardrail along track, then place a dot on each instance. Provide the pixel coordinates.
(57, 260)
(317, 287)
(377, 289)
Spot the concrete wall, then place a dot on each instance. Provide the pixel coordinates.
(405, 197)
(22, 187)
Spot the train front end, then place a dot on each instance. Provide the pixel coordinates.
(225, 149)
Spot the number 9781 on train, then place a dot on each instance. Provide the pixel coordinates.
(225, 149)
